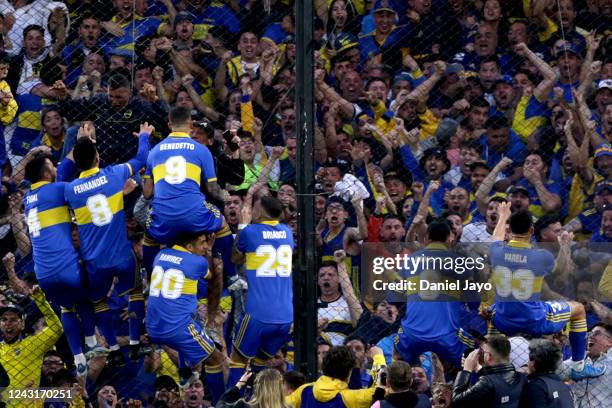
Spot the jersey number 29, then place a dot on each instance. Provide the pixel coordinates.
(276, 261)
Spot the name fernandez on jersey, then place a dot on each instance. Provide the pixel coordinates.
(90, 185)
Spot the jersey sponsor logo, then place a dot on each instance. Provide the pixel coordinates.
(90, 185)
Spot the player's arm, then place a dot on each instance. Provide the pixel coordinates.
(499, 233)
(215, 285)
(348, 291)
(139, 161)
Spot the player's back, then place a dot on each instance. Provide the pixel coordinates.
(97, 200)
(173, 291)
(431, 314)
(49, 227)
(177, 166)
(268, 248)
(518, 272)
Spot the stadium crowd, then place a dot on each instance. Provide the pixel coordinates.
(440, 125)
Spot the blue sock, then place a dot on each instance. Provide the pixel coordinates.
(214, 381)
(136, 312)
(72, 328)
(236, 370)
(88, 318)
(104, 321)
(577, 338)
(150, 249)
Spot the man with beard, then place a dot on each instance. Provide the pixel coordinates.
(73, 54)
(504, 96)
(605, 231)
(231, 211)
(482, 231)
(589, 221)
(477, 117)
(458, 202)
(232, 68)
(500, 141)
(544, 194)
(485, 47)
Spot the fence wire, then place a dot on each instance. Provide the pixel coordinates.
(425, 110)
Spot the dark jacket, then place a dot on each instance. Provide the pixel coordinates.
(231, 399)
(546, 391)
(406, 399)
(497, 386)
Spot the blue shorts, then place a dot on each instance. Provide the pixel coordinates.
(66, 288)
(254, 338)
(556, 315)
(165, 228)
(100, 280)
(191, 342)
(449, 347)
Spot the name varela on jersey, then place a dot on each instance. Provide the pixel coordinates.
(90, 185)
(274, 234)
(171, 258)
(177, 146)
(518, 258)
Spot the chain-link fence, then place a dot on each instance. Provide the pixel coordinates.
(424, 109)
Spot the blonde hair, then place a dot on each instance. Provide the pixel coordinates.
(268, 390)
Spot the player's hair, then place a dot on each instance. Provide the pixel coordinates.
(118, 80)
(271, 206)
(545, 355)
(399, 376)
(84, 153)
(36, 167)
(438, 230)
(542, 223)
(500, 345)
(268, 390)
(338, 362)
(179, 116)
(185, 238)
(294, 379)
(521, 222)
(497, 122)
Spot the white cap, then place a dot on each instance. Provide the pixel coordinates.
(605, 83)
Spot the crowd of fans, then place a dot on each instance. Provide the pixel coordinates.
(425, 110)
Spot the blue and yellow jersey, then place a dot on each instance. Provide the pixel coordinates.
(430, 315)
(177, 166)
(29, 122)
(535, 205)
(530, 114)
(218, 13)
(268, 248)
(518, 274)
(49, 228)
(133, 29)
(97, 200)
(173, 293)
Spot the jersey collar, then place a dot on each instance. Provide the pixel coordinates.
(39, 184)
(519, 244)
(179, 134)
(180, 248)
(270, 222)
(90, 172)
(436, 245)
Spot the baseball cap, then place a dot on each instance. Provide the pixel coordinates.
(453, 68)
(605, 84)
(517, 189)
(504, 79)
(565, 48)
(344, 42)
(479, 163)
(603, 150)
(402, 76)
(446, 129)
(11, 307)
(183, 16)
(337, 200)
(383, 5)
(603, 186)
(435, 152)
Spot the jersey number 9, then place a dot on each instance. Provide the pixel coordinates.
(101, 213)
(176, 170)
(169, 283)
(276, 261)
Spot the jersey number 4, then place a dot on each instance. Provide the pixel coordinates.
(168, 283)
(34, 225)
(276, 261)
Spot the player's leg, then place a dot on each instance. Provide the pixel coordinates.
(150, 249)
(213, 368)
(578, 341)
(273, 338)
(247, 338)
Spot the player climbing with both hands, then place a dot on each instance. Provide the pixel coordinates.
(518, 275)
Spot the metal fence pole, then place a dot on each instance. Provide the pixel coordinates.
(305, 322)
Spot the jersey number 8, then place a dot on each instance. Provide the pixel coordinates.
(169, 283)
(518, 283)
(101, 213)
(176, 170)
(276, 261)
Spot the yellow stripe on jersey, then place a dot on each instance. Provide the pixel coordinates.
(225, 304)
(558, 318)
(115, 204)
(54, 216)
(193, 172)
(190, 287)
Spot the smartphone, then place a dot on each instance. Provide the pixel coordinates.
(383, 375)
(228, 136)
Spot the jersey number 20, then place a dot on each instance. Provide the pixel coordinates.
(168, 283)
(277, 261)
